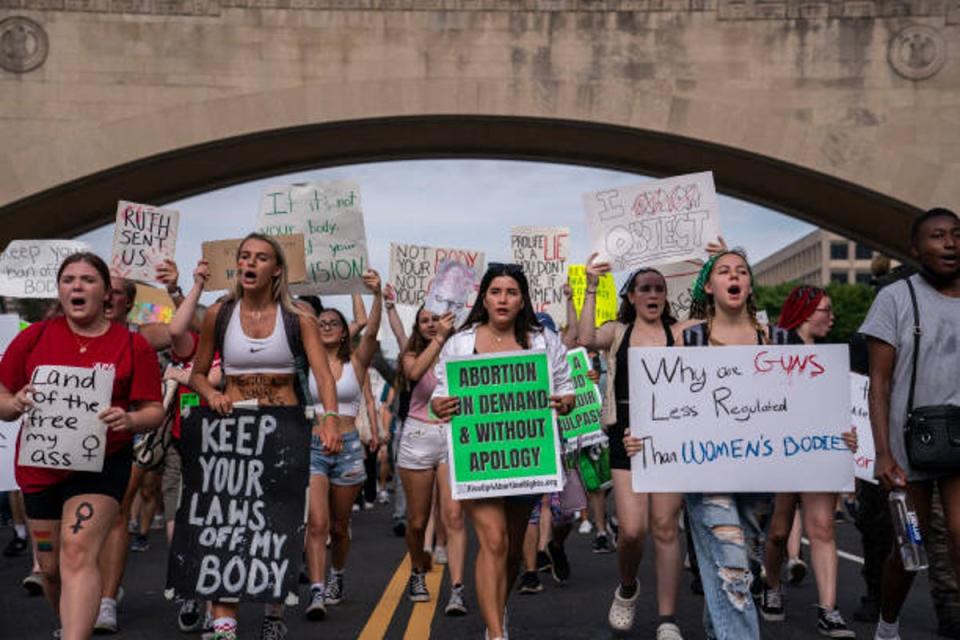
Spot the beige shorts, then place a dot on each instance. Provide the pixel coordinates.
(422, 445)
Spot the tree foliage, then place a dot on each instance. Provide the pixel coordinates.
(850, 305)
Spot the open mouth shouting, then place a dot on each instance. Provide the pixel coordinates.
(248, 276)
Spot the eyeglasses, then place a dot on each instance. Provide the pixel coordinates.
(826, 310)
(329, 324)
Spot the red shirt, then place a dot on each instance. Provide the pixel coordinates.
(137, 377)
(185, 393)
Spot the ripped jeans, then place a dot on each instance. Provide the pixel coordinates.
(725, 529)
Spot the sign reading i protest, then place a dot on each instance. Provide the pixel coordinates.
(741, 419)
(143, 237)
(330, 217)
(607, 300)
(239, 526)
(61, 430)
(582, 426)
(28, 268)
(655, 222)
(866, 455)
(504, 439)
(543, 254)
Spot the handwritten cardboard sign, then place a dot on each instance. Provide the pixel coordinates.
(745, 418)
(504, 439)
(152, 305)
(330, 217)
(543, 253)
(866, 456)
(607, 303)
(582, 426)
(28, 268)
(655, 222)
(143, 237)
(222, 258)
(413, 268)
(239, 525)
(61, 430)
(680, 277)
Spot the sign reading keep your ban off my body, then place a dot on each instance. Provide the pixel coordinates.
(504, 439)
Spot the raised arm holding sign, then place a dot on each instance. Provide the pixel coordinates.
(144, 236)
(28, 268)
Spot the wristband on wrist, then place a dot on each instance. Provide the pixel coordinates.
(327, 414)
(589, 290)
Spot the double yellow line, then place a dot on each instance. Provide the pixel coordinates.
(418, 627)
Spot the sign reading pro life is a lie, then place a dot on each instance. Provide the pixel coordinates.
(741, 419)
(504, 439)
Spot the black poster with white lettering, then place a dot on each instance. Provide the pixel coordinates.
(240, 522)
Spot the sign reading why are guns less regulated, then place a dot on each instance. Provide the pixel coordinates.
(504, 439)
(740, 419)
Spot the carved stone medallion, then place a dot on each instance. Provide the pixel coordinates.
(23, 44)
(917, 52)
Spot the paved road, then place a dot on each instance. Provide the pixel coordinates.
(375, 606)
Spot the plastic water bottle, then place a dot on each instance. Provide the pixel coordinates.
(907, 529)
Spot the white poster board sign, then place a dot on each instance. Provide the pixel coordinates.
(680, 277)
(61, 430)
(413, 268)
(866, 455)
(9, 327)
(330, 217)
(656, 222)
(28, 268)
(143, 237)
(741, 419)
(543, 253)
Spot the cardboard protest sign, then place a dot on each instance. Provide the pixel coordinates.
(239, 526)
(451, 289)
(9, 327)
(144, 236)
(582, 426)
(222, 258)
(28, 268)
(61, 430)
(543, 253)
(655, 222)
(413, 268)
(607, 303)
(152, 305)
(744, 418)
(866, 455)
(680, 277)
(504, 439)
(330, 217)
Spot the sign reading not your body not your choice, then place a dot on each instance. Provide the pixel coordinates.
(239, 526)
(504, 439)
(740, 419)
(582, 426)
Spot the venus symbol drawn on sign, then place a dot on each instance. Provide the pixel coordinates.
(92, 447)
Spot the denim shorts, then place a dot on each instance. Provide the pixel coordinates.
(343, 469)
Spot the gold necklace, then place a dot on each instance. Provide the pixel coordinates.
(82, 346)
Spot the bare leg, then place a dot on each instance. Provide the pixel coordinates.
(318, 527)
(665, 508)
(784, 508)
(489, 520)
(818, 511)
(418, 487)
(453, 523)
(598, 508)
(45, 536)
(149, 500)
(341, 510)
(793, 542)
(113, 557)
(546, 523)
(531, 538)
(633, 514)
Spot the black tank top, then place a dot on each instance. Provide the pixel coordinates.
(621, 381)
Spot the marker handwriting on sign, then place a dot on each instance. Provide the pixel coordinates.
(788, 364)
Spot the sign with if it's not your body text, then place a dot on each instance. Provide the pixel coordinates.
(240, 521)
(28, 268)
(656, 222)
(61, 429)
(866, 456)
(504, 439)
(741, 418)
(582, 427)
(143, 237)
(330, 217)
(543, 254)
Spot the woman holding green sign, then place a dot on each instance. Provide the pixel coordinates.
(502, 321)
(643, 320)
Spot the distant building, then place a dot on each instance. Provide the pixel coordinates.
(818, 258)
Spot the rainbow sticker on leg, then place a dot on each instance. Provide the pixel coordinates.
(44, 540)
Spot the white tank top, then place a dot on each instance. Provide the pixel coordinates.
(348, 392)
(244, 355)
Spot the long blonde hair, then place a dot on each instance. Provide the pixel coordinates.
(280, 287)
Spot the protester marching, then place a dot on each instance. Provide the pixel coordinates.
(504, 406)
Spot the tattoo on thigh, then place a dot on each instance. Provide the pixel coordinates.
(84, 512)
(44, 540)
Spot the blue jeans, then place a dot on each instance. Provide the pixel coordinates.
(725, 530)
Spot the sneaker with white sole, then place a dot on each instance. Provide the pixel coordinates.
(417, 587)
(585, 527)
(623, 610)
(33, 583)
(190, 617)
(831, 624)
(107, 617)
(317, 609)
(440, 554)
(771, 604)
(273, 629)
(668, 631)
(796, 570)
(334, 591)
(456, 605)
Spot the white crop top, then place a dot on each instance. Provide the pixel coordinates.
(348, 392)
(244, 355)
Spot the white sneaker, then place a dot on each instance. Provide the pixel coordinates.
(107, 617)
(585, 527)
(669, 631)
(440, 554)
(622, 610)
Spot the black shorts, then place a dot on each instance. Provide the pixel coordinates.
(112, 481)
(618, 453)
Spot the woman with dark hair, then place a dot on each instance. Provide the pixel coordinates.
(644, 320)
(262, 339)
(806, 317)
(337, 475)
(502, 320)
(70, 513)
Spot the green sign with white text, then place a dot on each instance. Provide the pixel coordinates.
(584, 421)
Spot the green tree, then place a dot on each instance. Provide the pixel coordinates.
(850, 305)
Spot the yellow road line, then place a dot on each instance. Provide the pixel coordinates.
(419, 625)
(379, 621)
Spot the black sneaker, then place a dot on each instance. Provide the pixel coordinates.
(317, 609)
(543, 561)
(191, 615)
(868, 611)
(601, 544)
(417, 587)
(140, 543)
(456, 606)
(831, 624)
(530, 583)
(399, 528)
(771, 605)
(15, 547)
(559, 565)
(334, 591)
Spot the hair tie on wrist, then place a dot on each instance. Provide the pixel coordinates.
(327, 414)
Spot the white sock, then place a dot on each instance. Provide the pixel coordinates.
(318, 586)
(225, 624)
(888, 630)
(20, 530)
(336, 572)
(110, 602)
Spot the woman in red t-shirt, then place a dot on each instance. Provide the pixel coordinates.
(69, 513)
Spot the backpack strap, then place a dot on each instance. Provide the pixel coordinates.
(695, 336)
(291, 326)
(220, 327)
(916, 345)
(779, 335)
